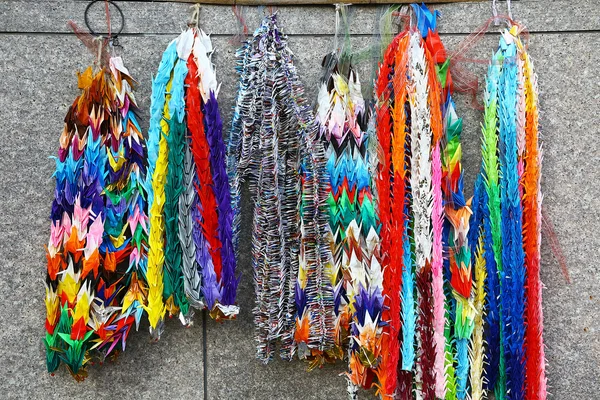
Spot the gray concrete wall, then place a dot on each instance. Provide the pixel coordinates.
(38, 61)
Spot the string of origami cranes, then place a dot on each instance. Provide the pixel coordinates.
(364, 247)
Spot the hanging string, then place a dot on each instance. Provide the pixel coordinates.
(240, 15)
(195, 17)
(385, 19)
(343, 51)
(550, 233)
(337, 26)
(107, 10)
(464, 80)
(97, 43)
(341, 22)
(112, 42)
(403, 19)
(495, 11)
(100, 41)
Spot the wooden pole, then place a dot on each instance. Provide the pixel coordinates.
(309, 2)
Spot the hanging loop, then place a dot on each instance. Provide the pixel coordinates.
(110, 35)
(497, 19)
(195, 17)
(338, 7)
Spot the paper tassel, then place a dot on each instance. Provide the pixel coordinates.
(535, 368)
(196, 214)
(393, 140)
(204, 213)
(510, 230)
(410, 183)
(95, 286)
(439, 313)
(422, 203)
(174, 129)
(155, 185)
(490, 209)
(287, 229)
(512, 251)
(317, 327)
(477, 341)
(356, 274)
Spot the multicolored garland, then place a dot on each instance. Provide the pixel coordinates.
(362, 236)
(508, 214)
(455, 316)
(357, 277)
(274, 145)
(191, 256)
(409, 185)
(96, 283)
(107, 261)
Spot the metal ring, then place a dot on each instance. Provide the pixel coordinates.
(113, 36)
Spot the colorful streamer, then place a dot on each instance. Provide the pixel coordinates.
(96, 282)
(409, 186)
(364, 247)
(357, 276)
(190, 207)
(274, 145)
(510, 224)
